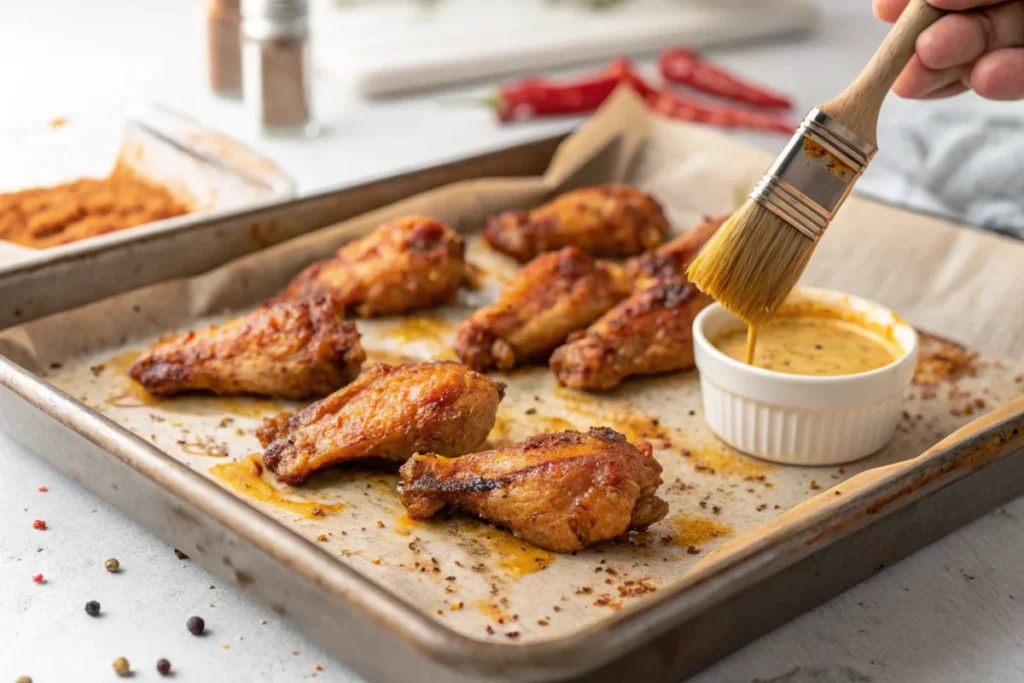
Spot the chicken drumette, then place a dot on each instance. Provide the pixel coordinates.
(407, 264)
(389, 413)
(610, 220)
(650, 332)
(549, 298)
(561, 491)
(289, 349)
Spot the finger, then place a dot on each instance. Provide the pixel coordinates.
(948, 91)
(999, 75)
(963, 37)
(918, 81)
(889, 10)
(962, 5)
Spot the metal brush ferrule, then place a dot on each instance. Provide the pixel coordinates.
(814, 174)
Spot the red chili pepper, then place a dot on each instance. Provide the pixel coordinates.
(684, 66)
(673, 105)
(624, 71)
(537, 97)
(39, 524)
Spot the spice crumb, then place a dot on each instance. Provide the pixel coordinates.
(180, 555)
(317, 667)
(262, 622)
(42, 489)
(38, 578)
(223, 646)
(112, 565)
(39, 524)
(814, 485)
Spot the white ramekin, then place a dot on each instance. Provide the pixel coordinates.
(797, 419)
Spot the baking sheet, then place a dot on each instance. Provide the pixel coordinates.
(477, 580)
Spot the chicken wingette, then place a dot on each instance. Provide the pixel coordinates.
(389, 413)
(609, 220)
(651, 332)
(562, 492)
(670, 260)
(408, 264)
(549, 298)
(289, 349)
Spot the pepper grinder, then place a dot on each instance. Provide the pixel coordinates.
(276, 75)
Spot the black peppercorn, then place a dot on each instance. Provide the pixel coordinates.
(196, 625)
(92, 608)
(163, 666)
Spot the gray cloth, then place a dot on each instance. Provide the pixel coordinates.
(964, 165)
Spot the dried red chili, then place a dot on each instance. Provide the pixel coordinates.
(624, 71)
(684, 66)
(674, 105)
(537, 97)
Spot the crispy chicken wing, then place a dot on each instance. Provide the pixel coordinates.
(561, 491)
(650, 332)
(670, 260)
(389, 413)
(549, 298)
(408, 264)
(291, 349)
(610, 220)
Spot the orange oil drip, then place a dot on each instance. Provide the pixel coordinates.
(245, 476)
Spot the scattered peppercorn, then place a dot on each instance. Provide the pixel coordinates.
(112, 565)
(92, 608)
(163, 666)
(23, 679)
(121, 667)
(43, 489)
(38, 578)
(196, 625)
(181, 556)
(39, 524)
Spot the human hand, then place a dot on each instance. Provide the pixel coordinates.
(979, 46)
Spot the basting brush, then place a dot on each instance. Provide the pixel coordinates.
(754, 261)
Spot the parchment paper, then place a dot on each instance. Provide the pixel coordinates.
(480, 580)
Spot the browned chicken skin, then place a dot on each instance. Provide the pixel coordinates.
(549, 298)
(610, 220)
(290, 349)
(562, 492)
(389, 413)
(670, 260)
(650, 332)
(407, 264)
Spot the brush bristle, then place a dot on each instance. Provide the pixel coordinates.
(752, 263)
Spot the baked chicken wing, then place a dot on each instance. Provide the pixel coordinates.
(408, 264)
(670, 260)
(549, 298)
(610, 220)
(389, 413)
(291, 349)
(650, 332)
(561, 491)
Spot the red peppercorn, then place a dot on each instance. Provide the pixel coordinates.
(163, 666)
(38, 578)
(39, 524)
(43, 489)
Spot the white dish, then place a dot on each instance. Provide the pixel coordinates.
(798, 419)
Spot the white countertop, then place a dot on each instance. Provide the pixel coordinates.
(952, 612)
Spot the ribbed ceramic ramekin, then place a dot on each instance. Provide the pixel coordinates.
(797, 419)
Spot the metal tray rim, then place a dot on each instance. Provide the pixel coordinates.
(605, 641)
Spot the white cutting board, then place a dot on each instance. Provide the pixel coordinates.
(394, 46)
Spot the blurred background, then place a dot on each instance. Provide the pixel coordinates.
(395, 85)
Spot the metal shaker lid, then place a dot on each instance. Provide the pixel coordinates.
(275, 18)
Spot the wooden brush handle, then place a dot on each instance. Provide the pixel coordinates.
(857, 107)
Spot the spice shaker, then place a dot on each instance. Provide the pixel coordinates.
(276, 74)
(224, 46)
